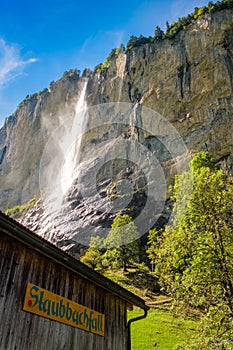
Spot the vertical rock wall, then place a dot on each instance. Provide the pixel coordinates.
(187, 79)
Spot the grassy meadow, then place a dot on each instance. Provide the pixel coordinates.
(160, 330)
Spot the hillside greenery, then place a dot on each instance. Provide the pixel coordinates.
(175, 27)
(20, 210)
(113, 252)
(161, 330)
(113, 54)
(193, 256)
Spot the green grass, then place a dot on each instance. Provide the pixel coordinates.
(160, 328)
(137, 279)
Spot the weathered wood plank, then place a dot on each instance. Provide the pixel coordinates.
(19, 265)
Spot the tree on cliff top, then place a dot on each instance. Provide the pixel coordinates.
(159, 34)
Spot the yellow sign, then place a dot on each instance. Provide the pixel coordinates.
(41, 302)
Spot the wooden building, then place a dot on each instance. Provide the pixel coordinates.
(51, 301)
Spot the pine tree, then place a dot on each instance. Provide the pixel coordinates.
(159, 34)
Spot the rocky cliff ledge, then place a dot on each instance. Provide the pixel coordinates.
(188, 80)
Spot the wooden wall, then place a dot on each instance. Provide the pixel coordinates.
(20, 330)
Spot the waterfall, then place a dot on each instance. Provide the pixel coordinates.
(121, 63)
(71, 143)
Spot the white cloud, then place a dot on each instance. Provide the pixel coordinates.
(11, 62)
(114, 38)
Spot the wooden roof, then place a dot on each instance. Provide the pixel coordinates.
(31, 239)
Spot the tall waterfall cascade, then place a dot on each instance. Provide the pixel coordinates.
(72, 143)
(60, 159)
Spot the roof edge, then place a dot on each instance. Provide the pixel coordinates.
(23, 234)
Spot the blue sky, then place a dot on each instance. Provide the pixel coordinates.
(39, 40)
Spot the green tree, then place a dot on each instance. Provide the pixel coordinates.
(167, 26)
(159, 34)
(132, 41)
(194, 255)
(210, 6)
(199, 12)
(173, 30)
(229, 4)
(122, 243)
(93, 255)
(100, 68)
(152, 246)
(203, 160)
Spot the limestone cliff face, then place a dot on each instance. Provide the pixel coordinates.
(24, 135)
(188, 80)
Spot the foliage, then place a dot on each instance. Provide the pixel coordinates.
(20, 210)
(10, 120)
(174, 28)
(119, 252)
(113, 54)
(152, 244)
(114, 251)
(93, 255)
(159, 34)
(120, 49)
(201, 160)
(182, 23)
(52, 84)
(195, 255)
(199, 12)
(139, 280)
(99, 68)
(138, 41)
(87, 72)
(29, 98)
(91, 258)
(71, 73)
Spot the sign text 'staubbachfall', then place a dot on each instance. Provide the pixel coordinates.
(41, 302)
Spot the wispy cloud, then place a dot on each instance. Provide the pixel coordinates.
(92, 52)
(180, 8)
(115, 38)
(11, 62)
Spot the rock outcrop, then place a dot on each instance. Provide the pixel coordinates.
(185, 82)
